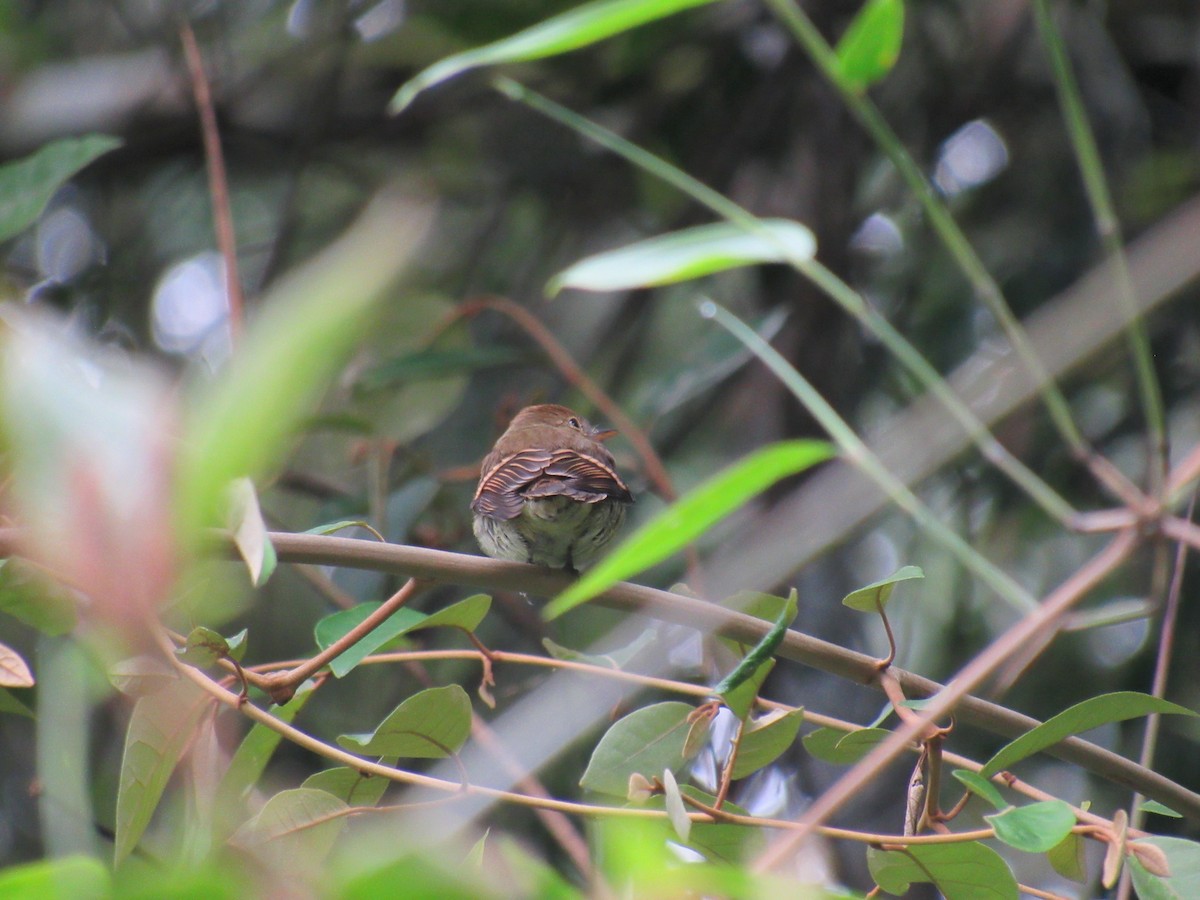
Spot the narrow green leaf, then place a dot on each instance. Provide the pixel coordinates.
(645, 742)
(203, 647)
(475, 855)
(874, 596)
(431, 724)
(563, 33)
(964, 871)
(843, 748)
(1160, 809)
(250, 531)
(351, 786)
(465, 614)
(300, 823)
(333, 627)
(1183, 858)
(871, 45)
(981, 787)
(687, 254)
(1067, 858)
(766, 739)
(27, 185)
(1034, 828)
(689, 517)
(159, 730)
(755, 663)
(1081, 717)
(73, 877)
(333, 527)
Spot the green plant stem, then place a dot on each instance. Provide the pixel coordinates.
(984, 286)
(1087, 154)
(840, 292)
(860, 455)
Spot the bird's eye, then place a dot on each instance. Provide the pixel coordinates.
(574, 423)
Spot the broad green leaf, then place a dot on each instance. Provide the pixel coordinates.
(351, 786)
(29, 596)
(689, 517)
(73, 877)
(563, 33)
(465, 614)
(297, 824)
(429, 725)
(645, 742)
(981, 787)
(250, 759)
(615, 659)
(871, 45)
(1081, 717)
(722, 841)
(1183, 858)
(765, 739)
(843, 748)
(333, 627)
(159, 730)
(203, 647)
(9, 703)
(27, 185)
(1067, 859)
(687, 254)
(740, 698)
(244, 420)
(875, 596)
(250, 531)
(1160, 809)
(1034, 828)
(14, 671)
(963, 871)
(237, 644)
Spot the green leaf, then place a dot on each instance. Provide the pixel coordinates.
(301, 823)
(720, 841)
(1081, 717)
(203, 647)
(875, 596)
(981, 787)
(334, 527)
(964, 871)
(1183, 858)
(432, 724)
(10, 703)
(159, 730)
(1160, 809)
(244, 420)
(740, 698)
(1067, 858)
(765, 739)
(687, 254)
(27, 185)
(644, 742)
(238, 644)
(843, 748)
(333, 627)
(615, 659)
(29, 596)
(689, 517)
(250, 531)
(73, 877)
(563, 33)
(465, 614)
(753, 668)
(871, 45)
(350, 785)
(1034, 828)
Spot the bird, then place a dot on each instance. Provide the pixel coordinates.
(549, 493)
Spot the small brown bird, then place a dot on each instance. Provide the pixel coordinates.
(549, 493)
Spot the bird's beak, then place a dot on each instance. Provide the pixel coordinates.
(602, 434)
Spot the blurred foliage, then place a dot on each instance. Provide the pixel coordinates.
(125, 252)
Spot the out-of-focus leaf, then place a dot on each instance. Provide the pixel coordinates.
(290, 353)
(875, 596)
(765, 739)
(615, 659)
(141, 676)
(297, 826)
(14, 671)
(871, 45)
(1035, 827)
(27, 185)
(843, 748)
(685, 520)
(73, 877)
(676, 811)
(159, 730)
(429, 725)
(436, 363)
(645, 742)
(250, 531)
(1183, 860)
(980, 787)
(351, 786)
(10, 704)
(687, 254)
(962, 871)
(563, 33)
(1081, 717)
(333, 627)
(28, 595)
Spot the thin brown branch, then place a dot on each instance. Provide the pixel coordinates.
(218, 182)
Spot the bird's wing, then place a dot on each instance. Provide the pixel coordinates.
(545, 473)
